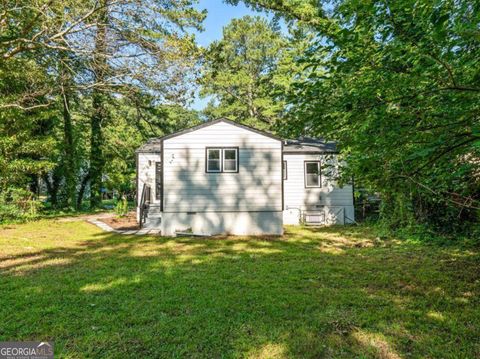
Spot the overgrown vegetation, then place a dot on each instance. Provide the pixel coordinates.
(332, 292)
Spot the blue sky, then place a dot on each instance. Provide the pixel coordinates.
(219, 15)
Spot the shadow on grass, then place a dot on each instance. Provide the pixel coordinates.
(313, 293)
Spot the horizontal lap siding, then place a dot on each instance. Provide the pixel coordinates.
(146, 172)
(256, 187)
(296, 195)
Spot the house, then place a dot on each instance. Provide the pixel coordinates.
(224, 177)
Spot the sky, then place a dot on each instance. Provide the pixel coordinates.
(219, 15)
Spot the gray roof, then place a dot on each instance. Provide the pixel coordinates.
(309, 145)
(152, 145)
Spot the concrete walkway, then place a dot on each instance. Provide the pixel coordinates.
(107, 228)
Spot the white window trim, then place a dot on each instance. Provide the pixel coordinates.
(222, 159)
(236, 159)
(319, 174)
(219, 160)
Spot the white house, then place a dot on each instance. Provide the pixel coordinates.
(224, 177)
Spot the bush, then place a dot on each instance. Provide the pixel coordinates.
(17, 204)
(121, 208)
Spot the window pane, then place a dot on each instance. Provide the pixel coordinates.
(284, 170)
(213, 165)
(230, 165)
(230, 154)
(214, 154)
(312, 168)
(312, 180)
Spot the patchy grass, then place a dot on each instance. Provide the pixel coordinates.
(334, 292)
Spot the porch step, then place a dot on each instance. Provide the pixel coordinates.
(153, 220)
(154, 209)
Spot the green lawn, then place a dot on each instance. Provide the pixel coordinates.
(315, 293)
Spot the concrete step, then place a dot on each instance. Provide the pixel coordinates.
(153, 220)
(154, 209)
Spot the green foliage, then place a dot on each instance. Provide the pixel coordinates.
(238, 70)
(25, 137)
(18, 204)
(121, 208)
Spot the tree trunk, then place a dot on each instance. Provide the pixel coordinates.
(33, 186)
(99, 114)
(81, 191)
(53, 186)
(69, 147)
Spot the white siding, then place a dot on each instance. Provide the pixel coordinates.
(256, 187)
(329, 197)
(146, 174)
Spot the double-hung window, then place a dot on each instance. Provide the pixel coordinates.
(312, 174)
(224, 159)
(230, 160)
(214, 160)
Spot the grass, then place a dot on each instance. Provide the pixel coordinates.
(333, 293)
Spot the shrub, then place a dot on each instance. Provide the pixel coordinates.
(121, 208)
(17, 204)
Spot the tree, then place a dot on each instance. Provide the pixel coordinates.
(238, 69)
(99, 113)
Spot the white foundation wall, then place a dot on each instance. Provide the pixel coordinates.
(211, 223)
(331, 201)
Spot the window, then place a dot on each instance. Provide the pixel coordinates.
(214, 159)
(222, 159)
(312, 174)
(284, 168)
(158, 180)
(230, 160)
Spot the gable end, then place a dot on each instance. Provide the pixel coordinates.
(210, 123)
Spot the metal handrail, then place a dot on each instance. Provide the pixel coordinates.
(144, 203)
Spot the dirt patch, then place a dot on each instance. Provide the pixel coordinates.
(127, 222)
